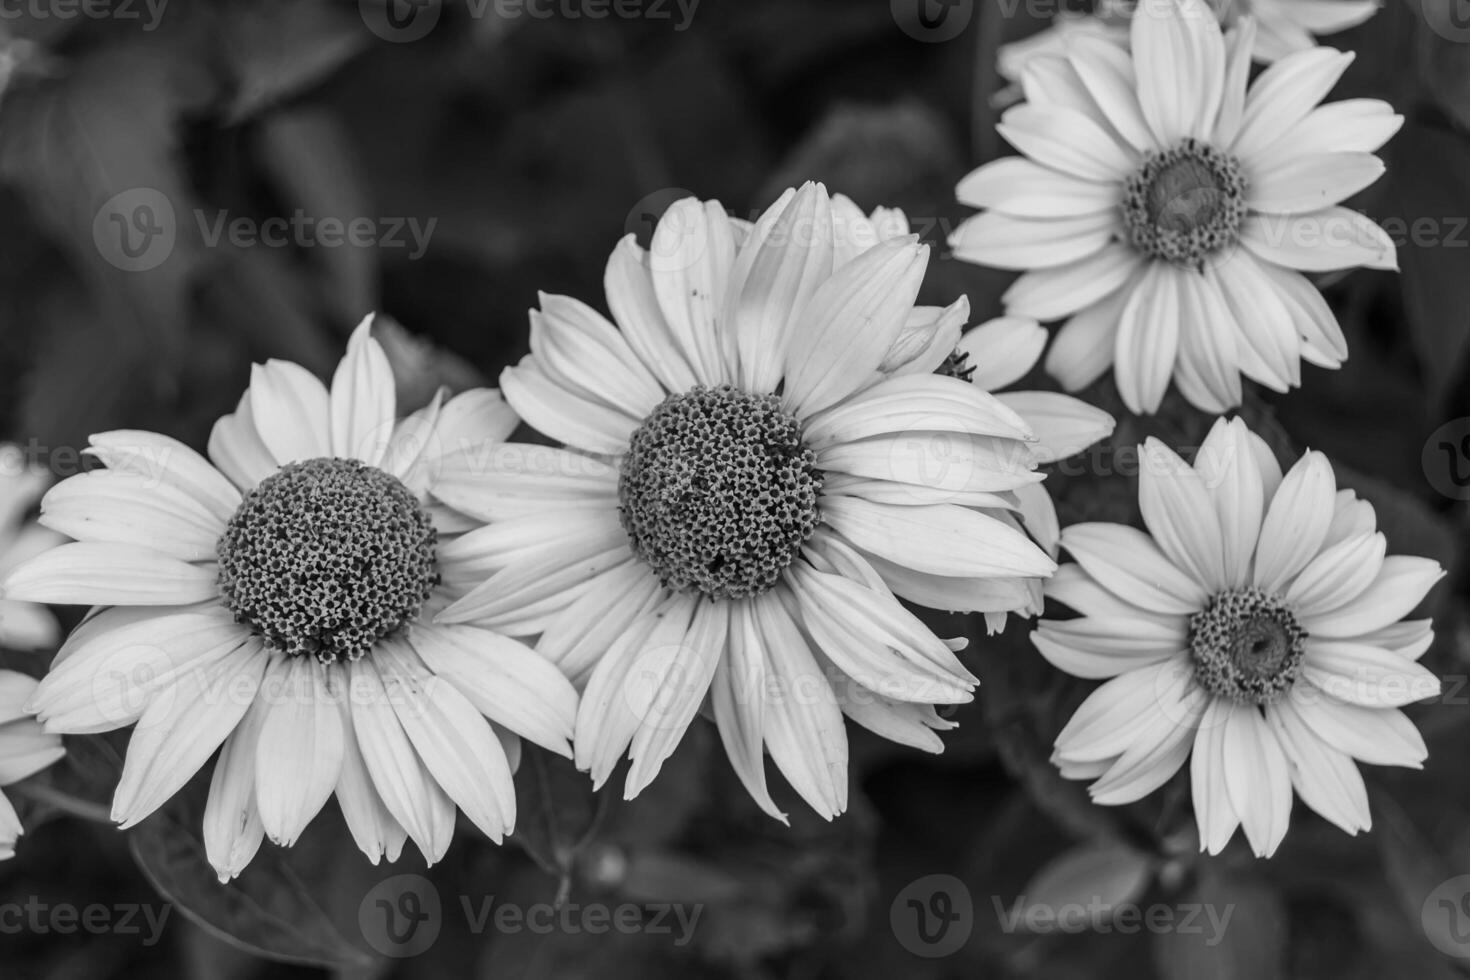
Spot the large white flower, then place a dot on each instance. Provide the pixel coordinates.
(1168, 213)
(1255, 625)
(277, 600)
(1283, 27)
(24, 749)
(760, 462)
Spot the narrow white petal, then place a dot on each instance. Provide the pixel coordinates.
(1002, 350)
(299, 757)
(1257, 777)
(941, 539)
(291, 410)
(1180, 515)
(97, 573)
(167, 462)
(232, 829)
(1128, 563)
(362, 403)
(1296, 522)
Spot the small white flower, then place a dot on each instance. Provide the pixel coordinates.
(1255, 626)
(275, 602)
(760, 462)
(1283, 27)
(24, 749)
(1167, 213)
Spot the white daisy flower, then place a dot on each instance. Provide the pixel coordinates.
(24, 749)
(1283, 27)
(277, 599)
(23, 625)
(1168, 213)
(1257, 625)
(759, 462)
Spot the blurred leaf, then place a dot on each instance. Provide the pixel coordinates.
(279, 47)
(268, 910)
(1241, 932)
(557, 811)
(313, 164)
(1413, 866)
(1097, 877)
(1430, 182)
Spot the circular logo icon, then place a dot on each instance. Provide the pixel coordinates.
(135, 230)
(400, 21)
(932, 21)
(401, 916)
(1446, 459)
(1450, 19)
(1445, 917)
(933, 916)
(643, 216)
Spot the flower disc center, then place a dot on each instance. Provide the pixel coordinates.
(1184, 204)
(718, 491)
(327, 556)
(1247, 646)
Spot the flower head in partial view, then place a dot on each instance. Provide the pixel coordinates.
(1167, 213)
(1283, 27)
(1255, 627)
(277, 600)
(761, 461)
(23, 625)
(24, 749)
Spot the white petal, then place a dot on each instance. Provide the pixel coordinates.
(1064, 425)
(363, 403)
(1283, 94)
(1257, 777)
(689, 261)
(1066, 140)
(291, 410)
(232, 828)
(452, 738)
(1127, 562)
(1180, 58)
(1214, 814)
(1311, 182)
(1094, 647)
(1383, 737)
(505, 480)
(1399, 587)
(1232, 479)
(505, 680)
(940, 539)
(910, 403)
(128, 508)
(1359, 674)
(634, 306)
(1296, 522)
(1148, 339)
(1084, 346)
(95, 573)
(1026, 189)
(737, 697)
(851, 323)
(299, 758)
(562, 414)
(1180, 515)
(789, 255)
(1002, 350)
(1325, 777)
(181, 728)
(1054, 292)
(996, 239)
(237, 449)
(368, 821)
(580, 351)
(167, 462)
(1339, 574)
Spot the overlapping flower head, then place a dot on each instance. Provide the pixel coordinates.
(1167, 212)
(1283, 27)
(275, 602)
(749, 484)
(1255, 629)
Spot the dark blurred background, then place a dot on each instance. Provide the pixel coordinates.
(173, 179)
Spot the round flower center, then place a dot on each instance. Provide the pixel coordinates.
(1184, 204)
(1246, 646)
(327, 556)
(718, 491)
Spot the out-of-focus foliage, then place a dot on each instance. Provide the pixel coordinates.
(521, 148)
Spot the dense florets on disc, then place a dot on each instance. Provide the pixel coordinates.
(1247, 646)
(718, 491)
(327, 556)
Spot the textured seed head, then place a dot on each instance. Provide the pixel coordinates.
(1247, 646)
(1185, 204)
(718, 491)
(327, 556)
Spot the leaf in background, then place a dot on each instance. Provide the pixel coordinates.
(268, 910)
(277, 48)
(557, 811)
(1240, 934)
(1418, 875)
(312, 163)
(1098, 878)
(1430, 174)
